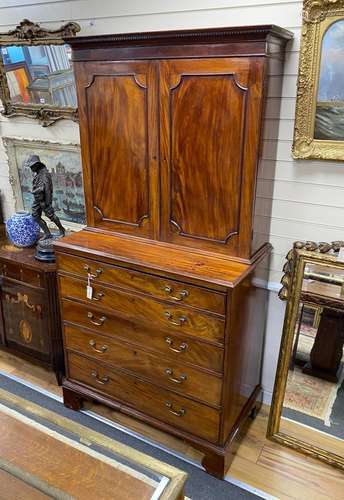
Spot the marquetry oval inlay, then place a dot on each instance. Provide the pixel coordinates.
(25, 331)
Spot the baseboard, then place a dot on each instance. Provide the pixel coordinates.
(267, 397)
(272, 286)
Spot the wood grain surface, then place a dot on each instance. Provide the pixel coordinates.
(157, 286)
(120, 169)
(165, 405)
(13, 488)
(163, 372)
(65, 467)
(174, 347)
(209, 269)
(201, 163)
(170, 318)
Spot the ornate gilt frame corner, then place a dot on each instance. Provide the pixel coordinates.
(302, 252)
(318, 15)
(29, 33)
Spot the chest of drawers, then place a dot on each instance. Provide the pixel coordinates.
(181, 353)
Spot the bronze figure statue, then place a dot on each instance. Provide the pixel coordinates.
(42, 190)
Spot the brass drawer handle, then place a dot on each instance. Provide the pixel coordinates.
(98, 296)
(93, 344)
(180, 296)
(180, 322)
(100, 380)
(97, 273)
(97, 322)
(179, 380)
(182, 348)
(179, 413)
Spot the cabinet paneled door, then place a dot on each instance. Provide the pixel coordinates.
(119, 103)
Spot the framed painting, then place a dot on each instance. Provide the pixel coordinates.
(64, 163)
(36, 73)
(319, 119)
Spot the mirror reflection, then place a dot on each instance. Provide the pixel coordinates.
(41, 74)
(314, 394)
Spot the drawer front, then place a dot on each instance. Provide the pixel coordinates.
(160, 288)
(165, 372)
(152, 313)
(176, 347)
(20, 273)
(162, 404)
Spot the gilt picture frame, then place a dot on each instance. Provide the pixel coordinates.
(49, 81)
(301, 255)
(63, 161)
(319, 115)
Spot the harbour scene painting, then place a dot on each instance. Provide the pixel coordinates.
(63, 162)
(329, 116)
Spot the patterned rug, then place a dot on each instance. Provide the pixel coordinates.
(306, 394)
(311, 395)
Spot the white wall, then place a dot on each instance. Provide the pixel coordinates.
(308, 201)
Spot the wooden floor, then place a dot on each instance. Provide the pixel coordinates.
(258, 462)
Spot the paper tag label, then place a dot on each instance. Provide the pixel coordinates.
(341, 254)
(89, 292)
(89, 289)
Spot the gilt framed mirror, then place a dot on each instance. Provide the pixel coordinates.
(307, 411)
(319, 116)
(36, 73)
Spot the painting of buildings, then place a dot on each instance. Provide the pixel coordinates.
(63, 162)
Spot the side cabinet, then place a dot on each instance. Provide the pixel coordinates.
(25, 317)
(30, 317)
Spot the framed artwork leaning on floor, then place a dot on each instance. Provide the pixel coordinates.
(63, 162)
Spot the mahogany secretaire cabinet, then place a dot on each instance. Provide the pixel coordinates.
(163, 319)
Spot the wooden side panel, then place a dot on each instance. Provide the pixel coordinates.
(244, 348)
(207, 107)
(118, 134)
(263, 203)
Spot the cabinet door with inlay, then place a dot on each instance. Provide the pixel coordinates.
(118, 124)
(210, 111)
(25, 318)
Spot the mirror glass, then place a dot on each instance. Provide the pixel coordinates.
(314, 395)
(40, 74)
(329, 116)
